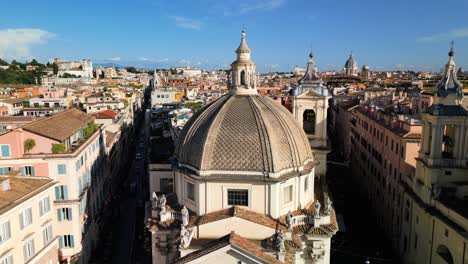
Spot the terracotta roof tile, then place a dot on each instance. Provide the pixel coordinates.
(61, 125)
(21, 189)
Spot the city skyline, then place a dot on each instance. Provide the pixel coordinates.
(158, 34)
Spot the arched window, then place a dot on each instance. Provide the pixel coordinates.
(445, 254)
(242, 77)
(309, 120)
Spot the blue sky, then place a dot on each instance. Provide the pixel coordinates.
(399, 34)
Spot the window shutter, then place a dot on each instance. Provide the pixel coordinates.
(25, 250)
(32, 171)
(61, 242)
(8, 229)
(5, 151)
(65, 192)
(47, 202)
(21, 221)
(70, 213)
(41, 210)
(22, 171)
(59, 215)
(72, 242)
(57, 190)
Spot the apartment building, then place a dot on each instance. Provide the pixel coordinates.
(435, 215)
(384, 148)
(28, 231)
(69, 149)
(415, 172)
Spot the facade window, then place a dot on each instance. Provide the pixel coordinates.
(7, 260)
(62, 169)
(44, 206)
(64, 214)
(191, 191)
(238, 197)
(309, 120)
(5, 150)
(287, 194)
(27, 171)
(415, 241)
(25, 218)
(167, 185)
(28, 249)
(66, 241)
(5, 170)
(61, 192)
(5, 232)
(47, 234)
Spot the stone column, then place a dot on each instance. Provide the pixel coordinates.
(436, 142)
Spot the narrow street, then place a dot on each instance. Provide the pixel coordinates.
(361, 238)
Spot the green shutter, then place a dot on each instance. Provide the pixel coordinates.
(59, 215)
(57, 192)
(61, 241)
(65, 192)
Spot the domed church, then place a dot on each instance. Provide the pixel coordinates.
(244, 187)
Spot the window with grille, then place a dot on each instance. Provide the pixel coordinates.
(238, 197)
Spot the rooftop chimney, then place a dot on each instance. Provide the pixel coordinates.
(6, 185)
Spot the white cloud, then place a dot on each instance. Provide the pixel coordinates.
(250, 6)
(115, 59)
(183, 62)
(153, 60)
(452, 34)
(184, 22)
(17, 43)
(272, 66)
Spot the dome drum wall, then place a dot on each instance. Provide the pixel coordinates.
(274, 198)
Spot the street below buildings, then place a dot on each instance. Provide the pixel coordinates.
(120, 237)
(362, 239)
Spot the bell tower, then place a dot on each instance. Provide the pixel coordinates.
(443, 156)
(243, 77)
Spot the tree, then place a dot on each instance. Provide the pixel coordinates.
(3, 63)
(55, 68)
(89, 130)
(58, 148)
(29, 144)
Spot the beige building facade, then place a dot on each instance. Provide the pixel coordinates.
(28, 227)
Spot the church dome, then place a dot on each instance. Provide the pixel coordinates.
(351, 62)
(243, 135)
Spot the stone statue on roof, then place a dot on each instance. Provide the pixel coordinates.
(185, 216)
(154, 201)
(185, 237)
(162, 203)
(317, 206)
(279, 242)
(289, 219)
(328, 205)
